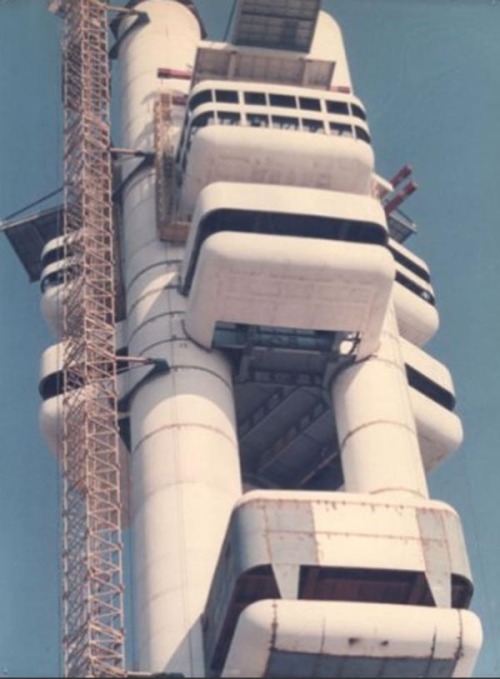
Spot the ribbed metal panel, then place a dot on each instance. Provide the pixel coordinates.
(281, 24)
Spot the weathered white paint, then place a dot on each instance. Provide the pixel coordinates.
(328, 628)
(375, 423)
(290, 282)
(275, 156)
(185, 464)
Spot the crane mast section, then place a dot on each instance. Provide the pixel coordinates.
(93, 640)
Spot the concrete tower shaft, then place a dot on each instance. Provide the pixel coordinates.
(377, 436)
(184, 449)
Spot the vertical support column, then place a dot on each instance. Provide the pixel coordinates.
(185, 465)
(376, 428)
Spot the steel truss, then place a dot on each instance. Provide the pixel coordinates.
(93, 640)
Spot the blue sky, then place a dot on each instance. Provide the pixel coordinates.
(428, 73)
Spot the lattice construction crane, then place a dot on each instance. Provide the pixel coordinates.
(93, 639)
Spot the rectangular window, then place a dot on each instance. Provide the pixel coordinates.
(338, 107)
(358, 112)
(199, 98)
(227, 118)
(285, 123)
(309, 104)
(411, 265)
(415, 288)
(255, 98)
(341, 130)
(226, 96)
(282, 100)
(313, 125)
(362, 134)
(257, 120)
(203, 119)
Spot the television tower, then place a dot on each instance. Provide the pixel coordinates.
(282, 415)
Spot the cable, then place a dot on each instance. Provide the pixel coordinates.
(35, 203)
(230, 20)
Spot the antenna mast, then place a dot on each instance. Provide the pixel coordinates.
(93, 640)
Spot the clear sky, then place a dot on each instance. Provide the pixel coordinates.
(428, 72)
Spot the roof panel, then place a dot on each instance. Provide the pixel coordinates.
(270, 66)
(276, 24)
(28, 237)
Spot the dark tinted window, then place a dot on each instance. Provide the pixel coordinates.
(358, 111)
(339, 107)
(341, 130)
(362, 134)
(226, 96)
(200, 98)
(313, 125)
(227, 118)
(203, 119)
(424, 294)
(257, 120)
(282, 100)
(425, 385)
(410, 264)
(57, 277)
(51, 386)
(285, 122)
(310, 104)
(256, 98)
(53, 256)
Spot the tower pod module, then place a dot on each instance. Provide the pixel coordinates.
(51, 388)
(284, 154)
(432, 398)
(418, 319)
(55, 279)
(276, 638)
(318, 274)
(319, 551)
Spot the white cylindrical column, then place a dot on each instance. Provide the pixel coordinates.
(375, 424)
(185, 467)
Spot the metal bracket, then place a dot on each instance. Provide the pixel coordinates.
(133, 153)
(141, 19)
(159, 367)
(148, 160)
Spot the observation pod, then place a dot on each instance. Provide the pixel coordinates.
(50, 420)
(418, 319)
(51, 390)
(311, 561)
(54, 283)
(432, 398)
(325, 271)
(271, 145)
(276, 638)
